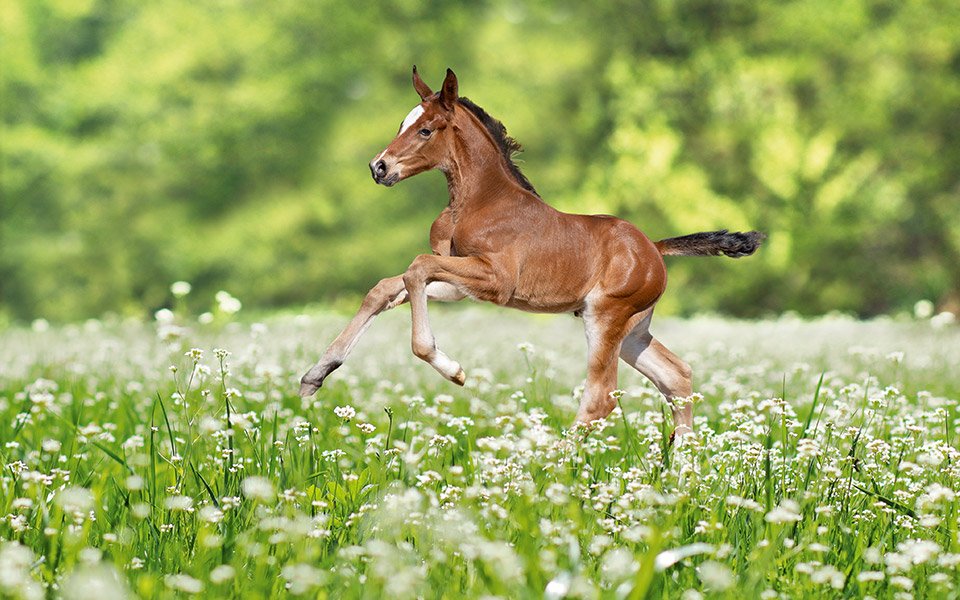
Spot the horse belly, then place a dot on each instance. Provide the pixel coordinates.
(550, 290)
(536, 305)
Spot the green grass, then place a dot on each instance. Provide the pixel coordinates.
(826, 463)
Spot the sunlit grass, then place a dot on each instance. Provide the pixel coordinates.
(173, 460)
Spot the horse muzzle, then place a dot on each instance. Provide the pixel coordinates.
(381, 173)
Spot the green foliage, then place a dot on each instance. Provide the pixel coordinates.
(143, 462)
(226, 143)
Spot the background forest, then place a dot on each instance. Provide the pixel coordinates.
(226, 143)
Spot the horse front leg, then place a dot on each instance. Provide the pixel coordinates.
(467, 275)
(383, 296)
(387, 294)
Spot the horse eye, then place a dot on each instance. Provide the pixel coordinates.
(425, 132)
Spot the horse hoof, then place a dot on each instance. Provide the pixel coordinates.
(460, 378)
(676, 438)
(313, 379)
(308, 388)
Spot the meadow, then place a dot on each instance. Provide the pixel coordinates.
(174, 459)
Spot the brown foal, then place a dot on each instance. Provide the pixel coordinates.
(497, 241)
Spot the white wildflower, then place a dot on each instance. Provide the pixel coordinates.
(787, 511)
(923, 309)
(133, 442)
(210, 514)
(183, 583)
(90, 555)
(428, 478)
(716, 577)
(556, 493)
(599, 543)
(668, 558)
(345, 412)
(222, 574)
(180, 288)
(829, 574)
(227, 303)
(902, 582)
(942, 320)
(935, 493)
(258, 488)
(919, 551)
(301, 578)
(75, 500)
(558, 587)
(96, 582)
(618, 564)
(808, 448)
(178, 503)
(15, 578)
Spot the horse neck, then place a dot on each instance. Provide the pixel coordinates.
(476, 173)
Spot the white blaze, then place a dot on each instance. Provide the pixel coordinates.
(411, 118)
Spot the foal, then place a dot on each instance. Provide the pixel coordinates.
(497, 241)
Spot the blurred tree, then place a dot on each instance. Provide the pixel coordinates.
(226, 142)
(830, 125)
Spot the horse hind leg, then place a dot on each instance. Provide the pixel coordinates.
(604, 335)
(668, 372)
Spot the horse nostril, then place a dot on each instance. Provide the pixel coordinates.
(381, 168)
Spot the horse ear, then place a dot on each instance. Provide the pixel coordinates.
(448, 93)
(418, 84)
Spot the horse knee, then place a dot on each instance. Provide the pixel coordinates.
(416, 272)
(379, 294)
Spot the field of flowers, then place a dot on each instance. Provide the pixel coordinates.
(175, 458)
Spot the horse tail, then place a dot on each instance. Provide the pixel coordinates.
(712, 243)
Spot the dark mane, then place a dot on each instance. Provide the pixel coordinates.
(508, 146)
